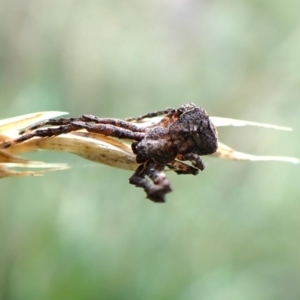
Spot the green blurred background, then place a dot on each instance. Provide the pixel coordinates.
(232, 232)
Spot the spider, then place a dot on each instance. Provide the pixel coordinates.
(183, 134)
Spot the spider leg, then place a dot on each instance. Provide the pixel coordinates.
(157, 190)
(85, 118)
(50, 122)
(111, 130)
(181, 168)
(194, 158)
(111, 121)
(105, 129)
(153, 114)
(47, 132)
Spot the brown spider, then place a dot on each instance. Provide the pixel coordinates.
(183, 134)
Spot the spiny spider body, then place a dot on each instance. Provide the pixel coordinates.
(182, 135)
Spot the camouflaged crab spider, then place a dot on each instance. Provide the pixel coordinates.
(183, 134)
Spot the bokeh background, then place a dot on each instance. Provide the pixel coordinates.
(232, 232)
